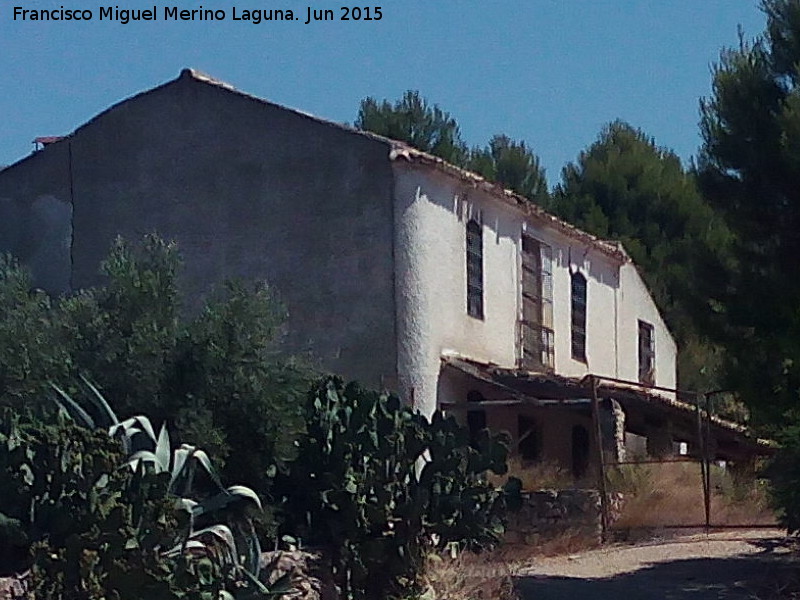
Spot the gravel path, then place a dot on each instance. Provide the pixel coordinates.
(730, 565)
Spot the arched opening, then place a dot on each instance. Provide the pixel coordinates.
(580, 451)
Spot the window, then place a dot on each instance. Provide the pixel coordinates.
(476, 417)
(537, 305)
(580, 451)
(528, 438)
(578, 317)
(647, 354)
(474, 269)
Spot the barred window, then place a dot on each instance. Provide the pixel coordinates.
(647, 353)
(538, 344)
(578, 317)
(474, 269)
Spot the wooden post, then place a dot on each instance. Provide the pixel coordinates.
(601, 461)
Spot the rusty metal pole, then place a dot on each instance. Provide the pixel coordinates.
(707, 458)
(701, 444)
(601, 461)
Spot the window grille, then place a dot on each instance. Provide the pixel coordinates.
(647, 353)
(578, 304)
(538, 344)
(474, 269)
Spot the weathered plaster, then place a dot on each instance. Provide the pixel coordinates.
(432, 209)
(36, 216)
(637, 304)
(248, 189)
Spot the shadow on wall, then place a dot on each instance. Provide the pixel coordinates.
(39, 234)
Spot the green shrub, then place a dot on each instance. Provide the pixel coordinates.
(784, 475)
(33, 349)
(216, 374)
(228, 365)
(379, 486)
(106, 526)
(48, 474)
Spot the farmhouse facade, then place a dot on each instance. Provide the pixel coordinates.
(397, 269)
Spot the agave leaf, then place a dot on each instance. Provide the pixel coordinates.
(186, 504)
(219, 536)
(201, 457)
(179, 458)
(254, 548)
(72, 408)
(235, 493)
(189, 545)
(147, 426)
(244, 492)
(100, 402)
(255, 581)
(126, 427)
(144, 457)
(163, 449)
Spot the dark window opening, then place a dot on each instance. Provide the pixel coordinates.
(647, 354)
(474, 269)
(578, 317)
(580, 451)
(476, 417)
(529, 443)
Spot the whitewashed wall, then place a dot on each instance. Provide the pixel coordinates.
(431, 212)
(636, 303)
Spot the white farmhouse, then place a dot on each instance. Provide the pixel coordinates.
(397, 269)
(487, 281)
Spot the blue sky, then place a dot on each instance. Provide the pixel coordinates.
(551, 72)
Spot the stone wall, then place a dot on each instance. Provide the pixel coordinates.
(14, 587)
(311, 576)
(548, 514)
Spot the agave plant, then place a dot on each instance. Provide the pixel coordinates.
(232, 546)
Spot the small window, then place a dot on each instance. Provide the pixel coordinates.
(647, 354)
(474, 269)
(579, 317)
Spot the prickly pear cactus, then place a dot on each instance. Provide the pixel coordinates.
(380, 485)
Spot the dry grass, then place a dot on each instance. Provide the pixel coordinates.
(655, 495)
(536, 475)
(672, 494)
(490, 574)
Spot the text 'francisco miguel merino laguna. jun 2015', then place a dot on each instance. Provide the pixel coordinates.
(305, 15)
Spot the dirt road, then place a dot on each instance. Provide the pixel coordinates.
(730, 565)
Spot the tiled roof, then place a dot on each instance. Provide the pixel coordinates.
(402, 151)
(538, 385)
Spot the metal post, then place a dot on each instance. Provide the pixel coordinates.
(601, 461)
(701, 444)
(707, 458)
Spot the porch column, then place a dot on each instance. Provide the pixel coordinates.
(612, 422)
